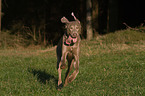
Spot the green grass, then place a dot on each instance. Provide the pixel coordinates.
(110, 65)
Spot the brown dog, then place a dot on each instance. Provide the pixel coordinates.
(68, 49)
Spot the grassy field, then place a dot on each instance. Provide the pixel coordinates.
(110, 65)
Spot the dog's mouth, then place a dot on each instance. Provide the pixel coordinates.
(71, 40)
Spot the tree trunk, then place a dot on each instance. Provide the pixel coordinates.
(44, 41)
(112, 18)
(40, 37)
(95, 15)
(0, 14)
(89, 19)
(34, 32)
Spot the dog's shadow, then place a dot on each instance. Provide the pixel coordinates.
(43, 77)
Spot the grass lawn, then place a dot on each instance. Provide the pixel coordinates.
(110, 65)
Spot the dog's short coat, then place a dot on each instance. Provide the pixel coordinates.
(68, 49)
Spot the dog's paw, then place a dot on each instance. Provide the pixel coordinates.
(59, 87)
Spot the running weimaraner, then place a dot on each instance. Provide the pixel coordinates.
(68, 49)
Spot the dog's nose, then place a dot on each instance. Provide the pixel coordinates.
(74, 34)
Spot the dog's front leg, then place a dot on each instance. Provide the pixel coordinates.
(61, 66)
(70, 66)
(76, 66)
(63, 58)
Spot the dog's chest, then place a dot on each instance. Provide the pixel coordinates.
(71, 49)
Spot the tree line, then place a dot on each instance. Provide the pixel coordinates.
(39, 20)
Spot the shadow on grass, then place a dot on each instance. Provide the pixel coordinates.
(43, 77)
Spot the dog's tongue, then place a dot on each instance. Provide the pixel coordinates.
(74, 40)
(70, 39)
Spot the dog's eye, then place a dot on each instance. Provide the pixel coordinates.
(71, 28)
(77, 27)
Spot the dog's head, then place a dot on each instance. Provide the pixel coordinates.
(73, 27)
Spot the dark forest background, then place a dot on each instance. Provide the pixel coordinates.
(39, 20)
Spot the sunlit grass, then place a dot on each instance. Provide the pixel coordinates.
(109, 66)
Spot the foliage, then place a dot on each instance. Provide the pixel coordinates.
(124, 36)
(108, 66)
(9, 40)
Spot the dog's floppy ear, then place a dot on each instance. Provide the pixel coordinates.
(64, 20)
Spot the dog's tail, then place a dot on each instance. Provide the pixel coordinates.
(73, 15)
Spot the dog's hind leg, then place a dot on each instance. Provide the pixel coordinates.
(70, 66)
(59, 77)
